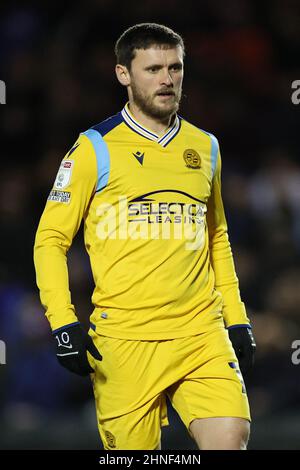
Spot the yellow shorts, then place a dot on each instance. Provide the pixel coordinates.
(199, 374)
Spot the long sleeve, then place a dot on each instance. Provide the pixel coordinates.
(66, 206)
(226, 281)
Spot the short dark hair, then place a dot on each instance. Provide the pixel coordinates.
(143, 36)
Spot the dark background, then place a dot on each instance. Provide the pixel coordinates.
(57, 61)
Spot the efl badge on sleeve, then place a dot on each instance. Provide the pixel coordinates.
(63, 176)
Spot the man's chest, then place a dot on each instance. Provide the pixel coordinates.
(148, 169)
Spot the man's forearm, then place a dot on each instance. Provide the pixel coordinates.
(53, 282)
(226, 283)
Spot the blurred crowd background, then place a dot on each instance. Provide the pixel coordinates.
(57, 61)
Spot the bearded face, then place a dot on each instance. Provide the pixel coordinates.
(156, 81)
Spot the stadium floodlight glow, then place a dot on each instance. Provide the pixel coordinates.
(2, 92)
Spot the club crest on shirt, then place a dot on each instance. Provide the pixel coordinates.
(110, 439)
(64, 173)
(192, 158)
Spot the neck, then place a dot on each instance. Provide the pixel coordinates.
(156, 125)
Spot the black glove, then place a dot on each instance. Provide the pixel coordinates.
(73, 342)
(244, 345)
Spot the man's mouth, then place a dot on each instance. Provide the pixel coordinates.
(165, 93)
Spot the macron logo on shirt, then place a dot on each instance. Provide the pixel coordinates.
(139, 156)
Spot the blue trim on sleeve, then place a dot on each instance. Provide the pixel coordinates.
(65, 327)
(102, 156)
(239, 326)
(214, 153)
(93, 326)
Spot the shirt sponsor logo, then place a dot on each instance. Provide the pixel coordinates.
(163, 214)
(60, 196)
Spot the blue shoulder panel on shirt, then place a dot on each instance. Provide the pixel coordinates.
(109, 124)
(95, 134)
(214, 153)
(102, 155)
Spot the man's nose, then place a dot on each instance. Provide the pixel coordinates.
(166, 78)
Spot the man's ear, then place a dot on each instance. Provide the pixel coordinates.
(123, 74)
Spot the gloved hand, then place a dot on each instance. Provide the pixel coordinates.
(244, 346)
(73, 342)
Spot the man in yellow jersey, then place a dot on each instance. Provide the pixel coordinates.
(168, 319)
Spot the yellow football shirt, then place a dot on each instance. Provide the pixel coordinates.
(154, 229)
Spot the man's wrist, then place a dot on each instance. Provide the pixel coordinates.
(240, 325)
(65, 327)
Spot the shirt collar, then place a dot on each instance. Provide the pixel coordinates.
(163, 140)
